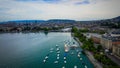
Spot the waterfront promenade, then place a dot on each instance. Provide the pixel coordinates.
(90, 56)
(113, 58)
(93, 60)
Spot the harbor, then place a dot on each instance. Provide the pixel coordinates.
(70, 49)
(55, 50)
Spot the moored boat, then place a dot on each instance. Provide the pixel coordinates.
(66, 48)
(56, 62)
(65, 61)
(75, 66)
(44, 61)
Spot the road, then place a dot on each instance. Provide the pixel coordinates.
(113, 58)
(93, 60)
(90, 56)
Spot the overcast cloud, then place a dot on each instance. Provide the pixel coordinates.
(58, 9)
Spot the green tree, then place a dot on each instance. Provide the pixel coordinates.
(74, 29)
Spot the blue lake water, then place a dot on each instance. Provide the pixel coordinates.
(28, 50)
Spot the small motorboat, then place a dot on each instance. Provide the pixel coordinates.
(66, 48)
(46, 57)
(44, 61)
(58, 52)
(78, 55)
(75, 66)
(58, 57)
(64, 58)
(58, 49)
(56, 45)
(80, 58)
(56, 62)
(63, 67)
(85, 66)
(65, 54)
(65, 61)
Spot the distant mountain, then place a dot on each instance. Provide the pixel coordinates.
(28, 21)
(61, 21)
(113, 20)
(116, 19)
(111, 23)
(42, 21)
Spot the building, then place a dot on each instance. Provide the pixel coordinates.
(106, 42)
(66, 29)
(115, 33)
(111, 42)
(116, 51)
(94, 36)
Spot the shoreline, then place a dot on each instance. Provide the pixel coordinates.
(36, 32)
(95, 63)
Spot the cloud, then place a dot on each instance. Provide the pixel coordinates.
(52, 1)
(63, 9)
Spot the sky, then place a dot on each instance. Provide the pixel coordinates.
(80, 10)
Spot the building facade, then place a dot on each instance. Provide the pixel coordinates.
(106, 43)
(116, 51)
(111, 42)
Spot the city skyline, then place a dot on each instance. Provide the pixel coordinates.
(58, 9)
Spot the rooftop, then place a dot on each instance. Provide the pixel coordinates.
(116, 32)
(113, 38)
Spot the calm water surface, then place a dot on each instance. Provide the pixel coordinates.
(28, 50)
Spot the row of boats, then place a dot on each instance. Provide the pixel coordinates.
(79, 56)
(51, 50)
(58, 54)
(65, 55)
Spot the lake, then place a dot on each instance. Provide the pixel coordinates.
(28, 50)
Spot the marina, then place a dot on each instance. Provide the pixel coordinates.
(56, 50)
(68, 47)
